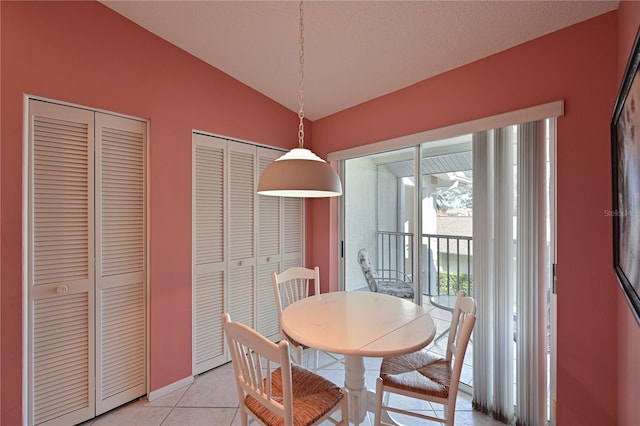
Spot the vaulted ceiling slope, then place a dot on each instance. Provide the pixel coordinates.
(354, 50)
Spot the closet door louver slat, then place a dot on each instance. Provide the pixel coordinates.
(242, 236)
(208, 251)
(268, 324)
(60, 201)
(241, 297)
(60, 273)
(208, 333)
(269, 252)
(61, 356)
(241, 205)
(122, 343)
(269, 218)
(120, 260)
(294, 232)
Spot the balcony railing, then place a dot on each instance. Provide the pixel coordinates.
(446, 265)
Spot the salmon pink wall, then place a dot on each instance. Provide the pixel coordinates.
(86, 54)
(628, 327)
(579, 65)
(81, 52)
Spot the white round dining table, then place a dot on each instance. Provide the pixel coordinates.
(358, 324)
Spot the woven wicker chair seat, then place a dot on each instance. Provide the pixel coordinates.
(420, 372)
(313, 397)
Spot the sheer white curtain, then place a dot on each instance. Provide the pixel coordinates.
(509, 231)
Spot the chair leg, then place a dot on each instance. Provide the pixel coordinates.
(244, 418)
(450, 414)
(316, 355)
(298, 355)
(345, 408)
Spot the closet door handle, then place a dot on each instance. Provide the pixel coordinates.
(62, 289)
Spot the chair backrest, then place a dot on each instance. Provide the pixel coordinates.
(462, 323)
(367, 269)
(254, 359)
(464, 307)
(294, 284)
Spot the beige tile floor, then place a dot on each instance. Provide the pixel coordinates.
(212, 400)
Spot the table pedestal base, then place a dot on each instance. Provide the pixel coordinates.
(361, 399)
(355, 383)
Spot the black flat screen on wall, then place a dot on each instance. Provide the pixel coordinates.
(625, 160)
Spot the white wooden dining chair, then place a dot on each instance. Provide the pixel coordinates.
(272, 390)
(289, 286)
(424, 375)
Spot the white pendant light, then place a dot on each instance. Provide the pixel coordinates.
(299, 172)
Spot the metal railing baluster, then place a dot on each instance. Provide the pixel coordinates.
(395, 252)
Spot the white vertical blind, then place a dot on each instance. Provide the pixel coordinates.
(527, 276)
(509, 273)
(493, 272)
(533, 275)
(483, 371)
(503, 302)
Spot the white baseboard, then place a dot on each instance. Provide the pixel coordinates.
(159, 393)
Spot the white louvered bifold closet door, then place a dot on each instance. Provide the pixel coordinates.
(208, 251)
(86, 262)
(269, 252)
(60, 264)
(238, 240)
(242, 236)
(120, 261)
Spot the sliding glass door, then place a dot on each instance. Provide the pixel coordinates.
(378, 214)
(474, 212)
(384, 194)
(413, 210)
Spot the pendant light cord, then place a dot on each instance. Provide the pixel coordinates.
(301, 84)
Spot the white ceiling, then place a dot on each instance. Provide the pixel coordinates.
(354, 51)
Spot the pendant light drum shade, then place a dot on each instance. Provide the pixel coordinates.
(300, 173)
